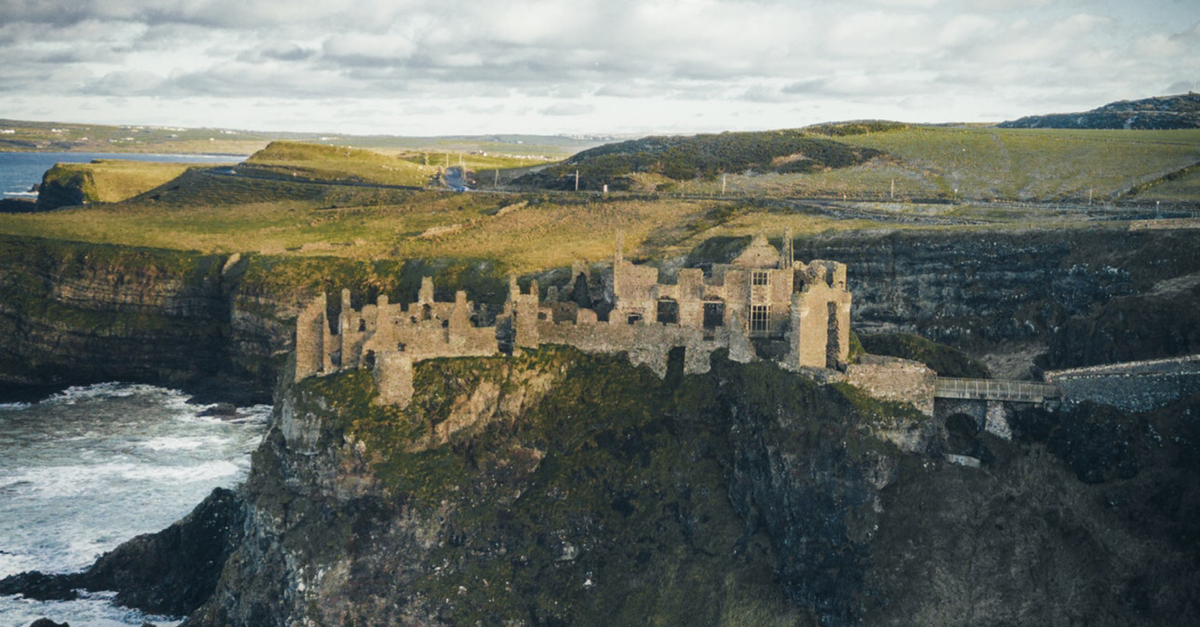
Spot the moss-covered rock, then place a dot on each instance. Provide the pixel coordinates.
(945, 360)
(560, 487)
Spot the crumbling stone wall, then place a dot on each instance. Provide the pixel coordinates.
(763, 293)
(895, 379)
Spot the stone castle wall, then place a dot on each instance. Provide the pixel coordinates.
(894, 379)
(762, 294)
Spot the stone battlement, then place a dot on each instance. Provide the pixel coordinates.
(763, 302)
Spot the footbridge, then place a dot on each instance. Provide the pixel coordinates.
(995, 390)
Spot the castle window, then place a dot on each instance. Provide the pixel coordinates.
(759, 277)
(714, 315)
(362, 325)
(668, 311)
(634, 318)
(759, 319)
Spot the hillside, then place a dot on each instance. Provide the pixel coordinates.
(103, 180)
(662, 158)
(1163, 112)
(33, 136)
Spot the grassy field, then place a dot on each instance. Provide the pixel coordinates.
(327, 210)
(354, 165)
(984, 163)
(208, 212)
(114, 180)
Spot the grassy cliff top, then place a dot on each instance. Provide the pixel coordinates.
(110, 180)
(339, 203)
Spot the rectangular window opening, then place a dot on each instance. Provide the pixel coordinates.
(759, 319)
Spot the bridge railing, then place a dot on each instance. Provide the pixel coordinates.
(994, 390)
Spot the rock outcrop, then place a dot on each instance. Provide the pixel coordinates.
(1163, 112)
(1076, 298)
(586, 492)
(170, 572)
(578, 489)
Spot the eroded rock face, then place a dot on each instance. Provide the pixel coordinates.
(559, 488)
(582, 490)
(1078, 298)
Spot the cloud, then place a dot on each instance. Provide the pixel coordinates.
(567, 108)
(893, 57)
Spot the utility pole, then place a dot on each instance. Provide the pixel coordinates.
(1089, 197)
(893, 196)
(460, 158)
(497, 184)
(723, 178)
(576, 180)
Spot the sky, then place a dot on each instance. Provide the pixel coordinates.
(420, 67)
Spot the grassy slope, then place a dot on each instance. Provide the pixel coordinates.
(1037, 164)
(215, 213)
(114, 180)
(989, 163)
(212, 213)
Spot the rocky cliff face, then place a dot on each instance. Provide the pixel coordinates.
(1076, 298)
(80, 313)
(73, 313)
(559, 488)
(76, 313)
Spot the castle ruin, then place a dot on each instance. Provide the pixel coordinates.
(763, 304)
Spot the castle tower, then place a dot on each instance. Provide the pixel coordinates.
(311, 331)
(525, 317)
(787, 255)
(425, 295)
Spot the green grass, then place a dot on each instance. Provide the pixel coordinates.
(984, 163)
(206, 211)
(110, 180)
(337, 163)
(1041, 164)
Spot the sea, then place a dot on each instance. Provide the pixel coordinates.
(20, 171)
(87, 468)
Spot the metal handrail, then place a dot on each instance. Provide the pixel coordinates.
(994, 389)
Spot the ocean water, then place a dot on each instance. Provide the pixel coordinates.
(19, 171)
(91, 467)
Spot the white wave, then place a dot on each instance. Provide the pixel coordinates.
(182, 443)
(14, 406)
(110, 389)
(89, 611)
(82, 480)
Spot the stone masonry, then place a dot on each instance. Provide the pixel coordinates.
(763, 302)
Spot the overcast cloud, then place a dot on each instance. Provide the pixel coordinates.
(420, 67)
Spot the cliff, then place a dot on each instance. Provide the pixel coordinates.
(73, 313)
(1075, 298)
(560, 488)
